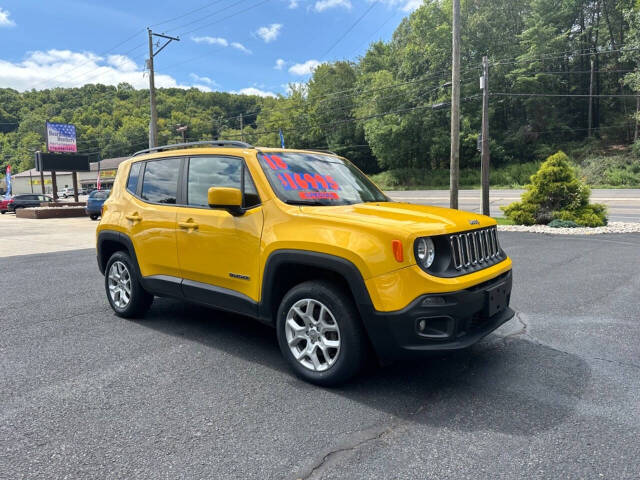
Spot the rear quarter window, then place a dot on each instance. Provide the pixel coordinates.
(134, 175)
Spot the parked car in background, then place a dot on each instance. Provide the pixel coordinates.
(4, 204)
(66, 192)
(95, 201)
(26, 201)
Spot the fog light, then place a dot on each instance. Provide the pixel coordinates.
(422, 324)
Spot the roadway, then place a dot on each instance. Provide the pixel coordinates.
(624, 204)
(189, 392)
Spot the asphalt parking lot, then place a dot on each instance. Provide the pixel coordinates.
(189, 392)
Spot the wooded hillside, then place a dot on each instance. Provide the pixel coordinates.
(389, 109)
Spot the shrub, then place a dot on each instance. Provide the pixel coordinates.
(557, 223)
(556, 193)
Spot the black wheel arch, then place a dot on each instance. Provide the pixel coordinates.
(286, 268)
(111, 241)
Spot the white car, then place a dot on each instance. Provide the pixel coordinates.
(65, 192)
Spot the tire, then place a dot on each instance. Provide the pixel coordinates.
(341, 328)
(3, 212)
(93, 217)
(121, 278)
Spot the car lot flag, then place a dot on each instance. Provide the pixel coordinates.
(8, 180)
(281, 138)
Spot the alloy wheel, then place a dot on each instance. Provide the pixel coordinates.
(312, 334)
(119, 284)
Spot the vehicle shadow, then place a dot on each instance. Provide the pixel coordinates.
(510, 385)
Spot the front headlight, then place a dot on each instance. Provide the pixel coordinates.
(425, 251)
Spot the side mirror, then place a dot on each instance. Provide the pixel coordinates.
(228, 198)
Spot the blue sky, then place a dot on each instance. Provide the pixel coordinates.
(261, 48)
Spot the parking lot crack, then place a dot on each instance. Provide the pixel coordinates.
(326, 459)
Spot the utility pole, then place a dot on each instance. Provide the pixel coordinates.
(183, 129)
(241, 127)
(455, 109)
(153, 124)
(485, 156)
(635, 133)
(591, 97)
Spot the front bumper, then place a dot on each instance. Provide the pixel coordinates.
(443, 321)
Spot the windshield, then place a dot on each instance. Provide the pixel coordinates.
(317, 179)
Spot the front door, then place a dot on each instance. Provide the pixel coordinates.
(219, 252)
(150, 218)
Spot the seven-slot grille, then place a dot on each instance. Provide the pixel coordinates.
(471, 249)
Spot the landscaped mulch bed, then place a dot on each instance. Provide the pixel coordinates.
(612, 227)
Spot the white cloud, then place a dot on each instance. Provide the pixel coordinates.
(5, 21)
(270, 33)
(203, 80)
(322, 5)
(240, 47)
(305, 68)
(223, 42)
(122, 63)
(211, 40)
(405, 5)
(280, 63)
(411, 5)
(293, 4)
(254, 91)
(64, 68)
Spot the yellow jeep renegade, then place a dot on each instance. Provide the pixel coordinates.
(304, 241)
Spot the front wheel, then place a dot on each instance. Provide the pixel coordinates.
(124, 291)
(320, 333)
(93, 217)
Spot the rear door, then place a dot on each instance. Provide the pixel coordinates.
(150, 217)
(216, 248)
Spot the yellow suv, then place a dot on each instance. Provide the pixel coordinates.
(304, 241)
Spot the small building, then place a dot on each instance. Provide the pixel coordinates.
(30, 181)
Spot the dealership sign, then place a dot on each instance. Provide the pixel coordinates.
(61, 137)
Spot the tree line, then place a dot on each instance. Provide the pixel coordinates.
(388, 109)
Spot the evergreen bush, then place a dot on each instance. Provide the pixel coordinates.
(555, 193)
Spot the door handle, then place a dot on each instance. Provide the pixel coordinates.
(134, 218)
(188, 225)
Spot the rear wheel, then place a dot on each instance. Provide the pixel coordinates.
(320, 333)
(124, 291)
(93, 217)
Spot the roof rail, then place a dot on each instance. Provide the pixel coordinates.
(211, 143)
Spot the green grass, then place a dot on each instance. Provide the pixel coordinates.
(504, 221)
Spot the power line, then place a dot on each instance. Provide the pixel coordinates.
(353, 25)
(186, 14)
(554, 56)
(507, 94)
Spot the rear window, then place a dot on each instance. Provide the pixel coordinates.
(99, 194)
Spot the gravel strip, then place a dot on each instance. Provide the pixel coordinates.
(613, 227)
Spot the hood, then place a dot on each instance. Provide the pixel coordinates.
(411, 218)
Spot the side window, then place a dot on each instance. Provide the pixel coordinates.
(160, 181)
(251, 198)
(134, 174)
(206, 172)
